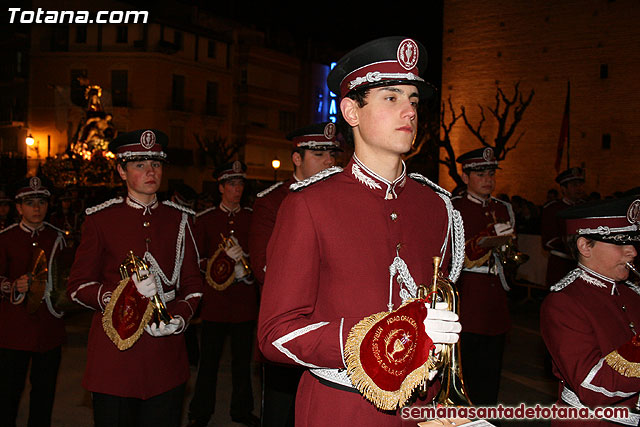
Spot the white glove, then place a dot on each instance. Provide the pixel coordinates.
(175, 326)
(234, 252)
(442, 325)
(146, 287)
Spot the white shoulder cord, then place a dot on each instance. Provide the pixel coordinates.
(155, 267)
(408, 288)
(455, 229)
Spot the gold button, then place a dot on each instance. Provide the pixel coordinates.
(394, 216)
(35, 243)
(398, 246)
(146, 224)
(632, 325)
(624, 308)
(231, 222)
(148, 240)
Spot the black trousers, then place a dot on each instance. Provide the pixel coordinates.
(212, 337)
(280, 384)
(43, 377)
(163, 410)
(481, 366)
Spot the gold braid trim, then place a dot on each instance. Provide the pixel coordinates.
(215, 285)
(382, 399)
(622, 365)
(468, 263)
(107, 322)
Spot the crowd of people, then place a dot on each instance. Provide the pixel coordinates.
(324, 278)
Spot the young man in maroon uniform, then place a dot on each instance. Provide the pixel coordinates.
(31, 330)
(230, 302)
(560, 262)
(144, 384)
(484, 314)
(314, 150)
(590, 320)
(353, 243)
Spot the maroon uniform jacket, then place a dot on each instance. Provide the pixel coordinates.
(560, 261)
(162, 233)
(263, 220)
(583, 319)
(238, 302)
(483, 299)
(20, 330)
(328, 267)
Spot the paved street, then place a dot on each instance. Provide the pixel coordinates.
(524, 378)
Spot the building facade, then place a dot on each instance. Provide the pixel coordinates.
(544, 45)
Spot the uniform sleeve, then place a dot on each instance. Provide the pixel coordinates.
(262, 224)
(191, 286)
(5, 281)
(85, 285)
(200, 233)
(577, 357)
(288, 331)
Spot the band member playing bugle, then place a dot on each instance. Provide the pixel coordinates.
(137, 253)
(591, 319)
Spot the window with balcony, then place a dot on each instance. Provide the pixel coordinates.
(211, 107)
(122, 34)
(177, 92)
(119, 87)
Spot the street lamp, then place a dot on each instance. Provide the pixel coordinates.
(29, 140)
(275, 164)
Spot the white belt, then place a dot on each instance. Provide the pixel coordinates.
(569, 397)
(336, 376)
(480, 269)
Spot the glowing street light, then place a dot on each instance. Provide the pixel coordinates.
(29, 140)
(275, 164)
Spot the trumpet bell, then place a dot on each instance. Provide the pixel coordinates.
(38, 283)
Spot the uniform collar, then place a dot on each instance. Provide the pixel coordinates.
(137, 204)
(223, 208)
(379, 185)
(31, 230)
(478, 200)
(596, 279)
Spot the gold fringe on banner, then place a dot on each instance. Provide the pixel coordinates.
(382, 399)
(215, 285)
(107, 320)
(622, 365)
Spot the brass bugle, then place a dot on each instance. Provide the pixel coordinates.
(452, 389)
(631, 267)
(137, 264)
(228, 242)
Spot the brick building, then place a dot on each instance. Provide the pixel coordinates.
(544, 44)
